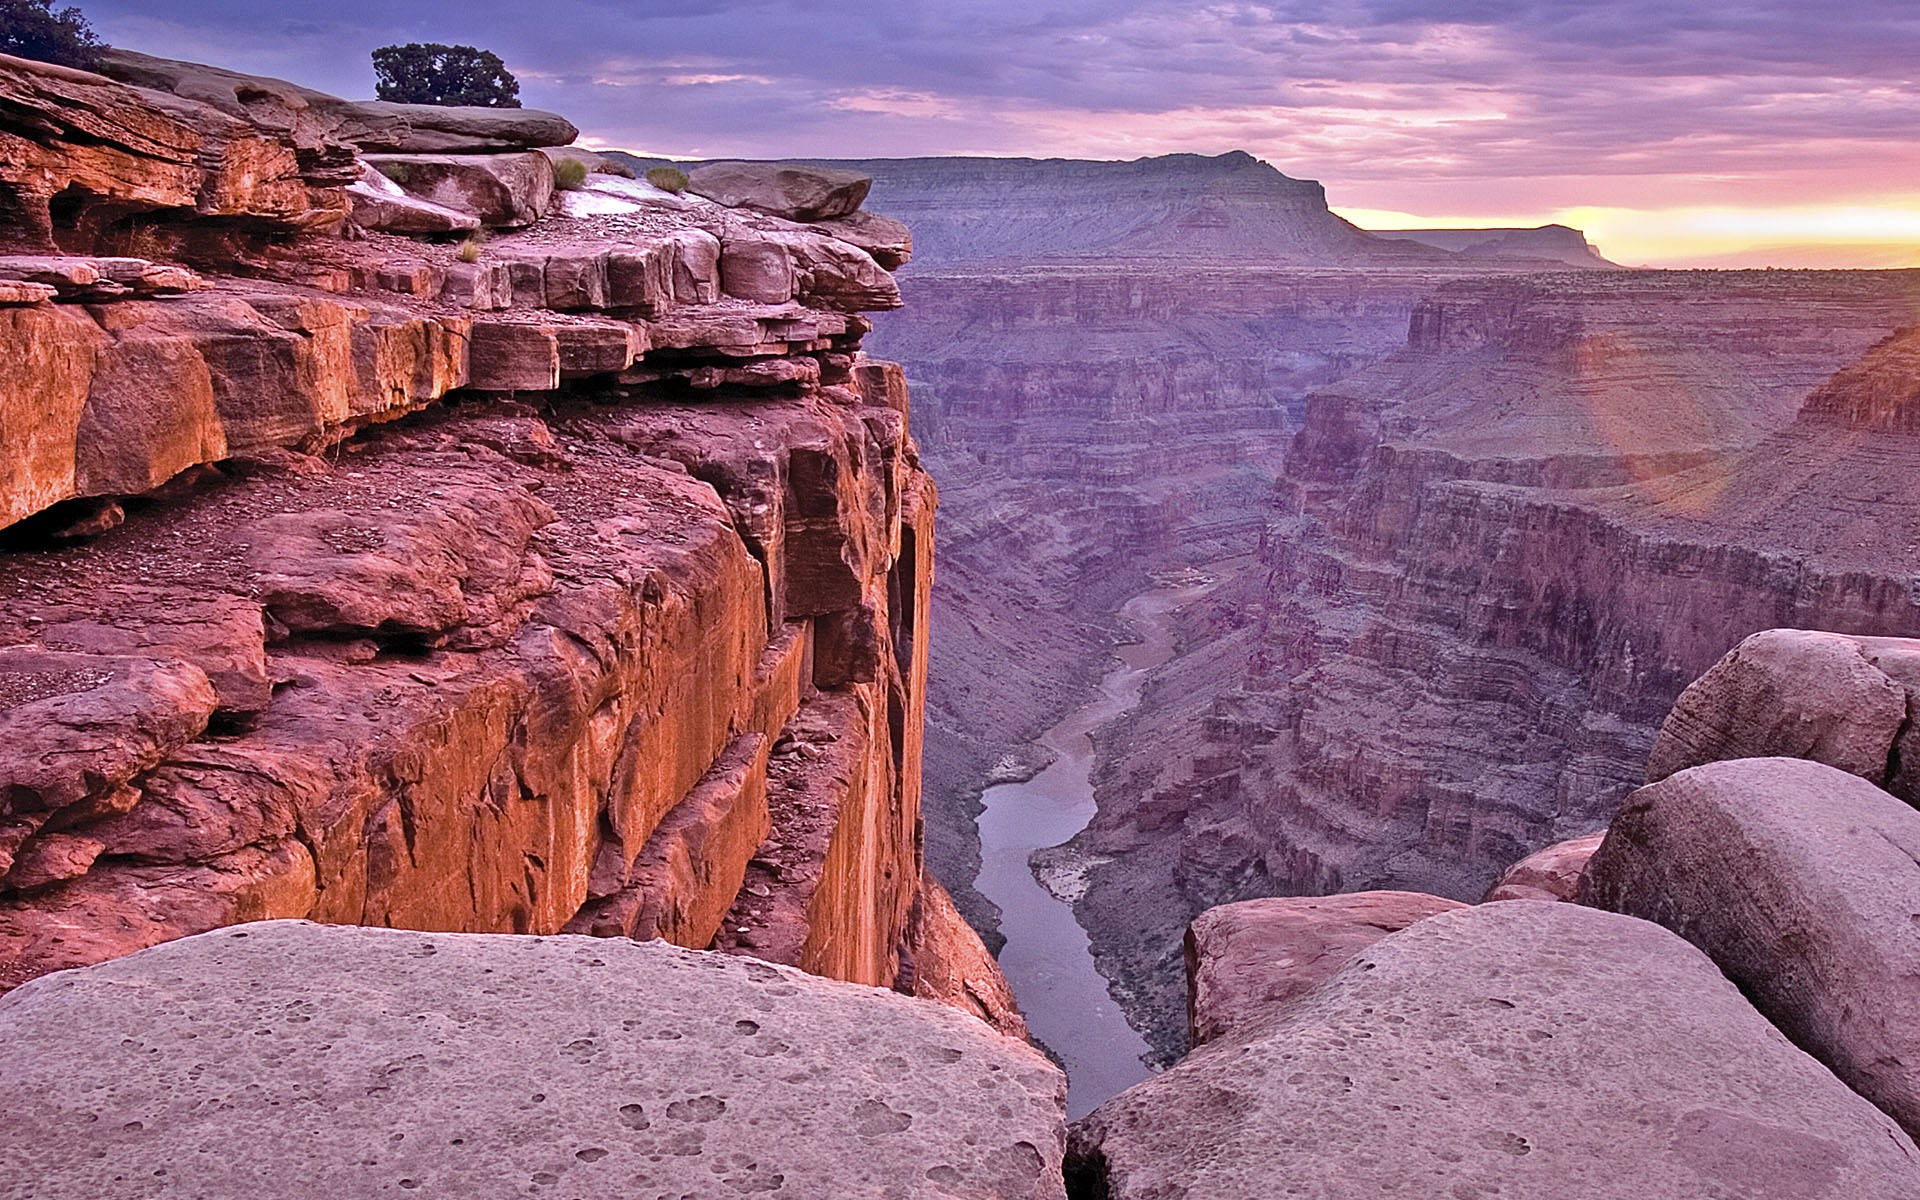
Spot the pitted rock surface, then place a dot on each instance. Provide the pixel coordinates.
(1523, 1049)
(1803, 883)
(1247, 961)
(286, 1058)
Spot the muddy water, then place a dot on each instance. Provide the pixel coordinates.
(1046, 957)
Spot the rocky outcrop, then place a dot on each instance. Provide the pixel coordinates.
(1801, 881)
(1550, 874)
(621, 630)
(1247, 962)
(328, 128)
(1795, 693)
(1525, 1048)
(794, 191)
(80, 153)
(371, 1060)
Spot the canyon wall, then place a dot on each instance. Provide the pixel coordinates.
(1108, 361)
(1495, 559)
(573, 580)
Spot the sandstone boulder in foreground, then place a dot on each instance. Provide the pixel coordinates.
(1797, 693)
(1803, 883)
(290, 1059)
(1246, 961)
(798, 193)
(1550, 874)
(1523, 1049)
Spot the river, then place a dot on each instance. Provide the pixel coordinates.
(1046, 956)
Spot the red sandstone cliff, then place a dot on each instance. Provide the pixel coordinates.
(574, 580)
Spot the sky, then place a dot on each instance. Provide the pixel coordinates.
(1674, 132)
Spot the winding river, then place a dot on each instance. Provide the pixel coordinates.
(1046, 956)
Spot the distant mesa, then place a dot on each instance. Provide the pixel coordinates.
(1229, 209)
(1556, 242)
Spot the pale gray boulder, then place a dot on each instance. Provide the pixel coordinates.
(798, 193)
(1526, 1049)
(290, 1059)
(505, 191)
(1803, 883)
(1793, 693)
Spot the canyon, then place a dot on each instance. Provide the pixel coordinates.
(483, 703)
(1462, 516)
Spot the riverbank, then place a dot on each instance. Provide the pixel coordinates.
(1047, 956)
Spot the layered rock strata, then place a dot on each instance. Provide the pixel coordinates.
(1512, 542)
(380, 1060)
(1544, 1049)
(577, 580)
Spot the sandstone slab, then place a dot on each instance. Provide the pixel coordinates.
(75, 727)
(377, 202)
(1803, 883)
(890, 242)
(1521, 1049)
(1249, 960)
(375, 1060)
(1550, 874)
(314, 122)
(798, 193)
(380, 126)
(117, 149)
(465, 561)
(504, 191)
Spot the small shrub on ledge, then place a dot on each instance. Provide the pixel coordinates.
(668, 179)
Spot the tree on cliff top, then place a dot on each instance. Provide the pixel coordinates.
(31, 29)
(430, 73)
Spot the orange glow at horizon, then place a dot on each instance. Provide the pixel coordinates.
(1882, 234)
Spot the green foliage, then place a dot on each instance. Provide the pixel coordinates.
(432, 73)
(399, 172)
(32, 29)
(569, 174)
(668, 179)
